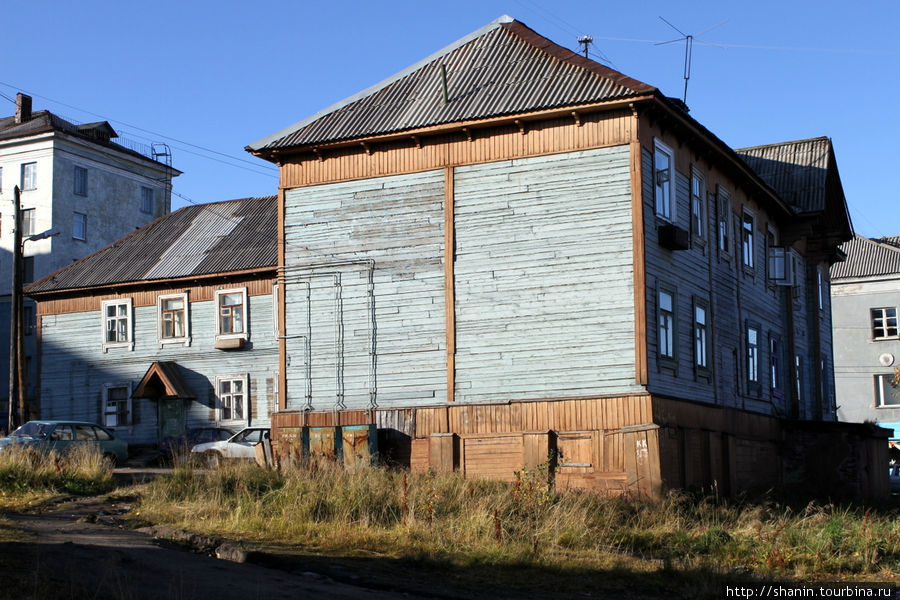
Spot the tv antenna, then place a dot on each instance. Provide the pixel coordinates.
(688, 49)
(586, 41)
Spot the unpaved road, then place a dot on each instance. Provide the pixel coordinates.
(69, 552)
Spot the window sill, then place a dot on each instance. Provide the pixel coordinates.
(106, 346)
(185, 341)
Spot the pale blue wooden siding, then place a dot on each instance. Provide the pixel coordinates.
(74, 368)
(353, 248)
(544, 277)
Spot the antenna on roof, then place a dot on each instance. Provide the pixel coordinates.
(688, 49)
(585, 40)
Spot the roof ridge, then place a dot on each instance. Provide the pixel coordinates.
(786, 143)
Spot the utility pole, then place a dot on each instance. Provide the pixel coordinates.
(15, 303)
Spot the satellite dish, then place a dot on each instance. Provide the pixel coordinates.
(886, 359)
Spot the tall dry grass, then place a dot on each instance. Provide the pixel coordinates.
(27, 472)
(449, 518)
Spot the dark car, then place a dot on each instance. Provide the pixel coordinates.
(182, 444)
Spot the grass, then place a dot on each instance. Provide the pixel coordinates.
(499, 533)
(29, 476)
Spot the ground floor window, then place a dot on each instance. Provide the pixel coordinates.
(117, 404)
(886, 392)
(232, 393)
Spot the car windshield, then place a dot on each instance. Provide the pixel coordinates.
(33, 430)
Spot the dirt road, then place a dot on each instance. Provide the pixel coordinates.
(78, 551)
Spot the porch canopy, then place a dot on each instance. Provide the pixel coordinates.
(163, 380)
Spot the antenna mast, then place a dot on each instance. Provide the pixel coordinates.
(688, 50)
(585, 41)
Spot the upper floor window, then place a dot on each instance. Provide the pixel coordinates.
(117, 330)
(701, 335)
(79, 226)
(81, 176)
(820, 287)
(173, 326)
(723, 220)
(29, 176)
(887, 393)
(666, 309)
(28, 222)
(147, 200)
(664, 181)
(698, 193)
(884, 323)
(28, 269)
(775, 377)
(1, 179)
(231, 317)
(747, 246)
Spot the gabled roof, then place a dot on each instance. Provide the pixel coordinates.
(869, 258)
(204, 239)
(805, 174)
(503, 68)
(163, 380)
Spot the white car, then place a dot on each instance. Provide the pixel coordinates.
(241, 445)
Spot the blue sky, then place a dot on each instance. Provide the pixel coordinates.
(208, 78)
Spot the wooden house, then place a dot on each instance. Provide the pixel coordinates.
(169, 328)
(509, 252)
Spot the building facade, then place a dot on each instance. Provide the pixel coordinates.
(74, 179)
(508, 251)
(169, 328)
(866, 296)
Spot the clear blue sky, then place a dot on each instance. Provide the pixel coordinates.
(212, 77)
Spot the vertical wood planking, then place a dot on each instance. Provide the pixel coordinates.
(449, 294)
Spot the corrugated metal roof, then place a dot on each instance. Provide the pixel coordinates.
(196, 240)
(868, 258)
(502, 69)
(797, 170)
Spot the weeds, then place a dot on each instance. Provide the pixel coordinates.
(28, 474)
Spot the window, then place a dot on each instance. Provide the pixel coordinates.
(231, 391)
(29, 176)
(231, 313)
(28, 269)
(701, 335)
(28, 222)
(753, 354)
(117, 331)
(884, 323)
(79, 226)
(887, 394)
(747, 247)
(80, 181)
(820, 287)
(666, 309)
(28, 319)
(173, 319)
(117, 404)
(663, 181)
(276, 292)
(698, 193)
(775, 365)
(723, 212)
(798, 378)
(147, 200)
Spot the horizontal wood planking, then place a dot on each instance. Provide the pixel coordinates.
(544, 291)
(490, 144)
(256, 286)
(492, 457)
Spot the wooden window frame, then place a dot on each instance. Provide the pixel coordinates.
(129, 324)
(148, 198)
(724, 239)
(29, 176)
(83, 220)
(701, 338)
(221, 401)
(670, 331)
(698, 207)
(160, 318)
(80, 181)
(129, 414)
(244, 334)
(664, 184)
(748, 241)
(752, 357)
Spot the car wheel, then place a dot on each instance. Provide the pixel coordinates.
(212, 459)
(111, 459)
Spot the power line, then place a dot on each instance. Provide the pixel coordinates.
(757, 47)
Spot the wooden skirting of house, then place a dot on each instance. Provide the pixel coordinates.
(636, 445)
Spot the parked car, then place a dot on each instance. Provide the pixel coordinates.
(182, 444)
(894, 474)
(239, 446)
(63, 436)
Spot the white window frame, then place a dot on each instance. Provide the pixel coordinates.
(75, 223)
(698, 199)
(148, 198)
(29, 176)
(129, 420)
(885, 315)
(724, 239)
(129, 329)
(245, 334)
(28, 218)
(244, 378)
(664, 182)
(751, 359)
(776, 376)
(276, 305)
(748, 240)
(820, 287)
(701, 335)
(80, 181)
(665, 325)
(882, 383)
(186, 338)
